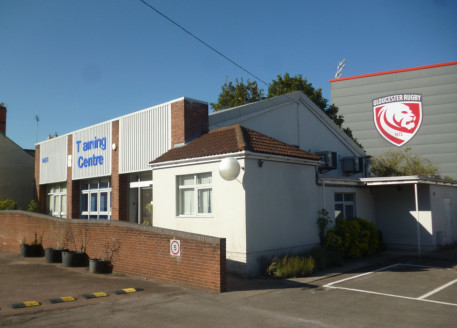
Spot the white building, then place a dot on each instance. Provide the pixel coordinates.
(270, 207)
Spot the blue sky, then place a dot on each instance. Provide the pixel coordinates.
(78, 63)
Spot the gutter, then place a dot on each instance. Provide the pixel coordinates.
(238, 155)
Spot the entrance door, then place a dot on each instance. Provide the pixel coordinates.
(448, 221)
(140, 202)
(146, 205)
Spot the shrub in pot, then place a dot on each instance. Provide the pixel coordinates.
(54, 254)
(103, 263)
(78, 256)
(32, 249)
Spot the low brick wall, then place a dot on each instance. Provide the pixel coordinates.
(144, 251)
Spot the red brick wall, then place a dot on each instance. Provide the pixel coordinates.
(144, 251)
(119, 182)
(40, 190)
(73, 192)
(189, 119)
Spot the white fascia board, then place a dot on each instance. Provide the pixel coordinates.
(194, 161)
(141, 184)
(413, 179)
(342, 182)
(237, 155)
(285, 159)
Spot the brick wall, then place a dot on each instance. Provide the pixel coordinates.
(144, 251)
(119, 183)
(189, 119)
(40, 189)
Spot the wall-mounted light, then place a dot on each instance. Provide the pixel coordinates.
(114, 146)
(229, 168)
(260, 162)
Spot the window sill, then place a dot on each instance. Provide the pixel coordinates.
(189, 216)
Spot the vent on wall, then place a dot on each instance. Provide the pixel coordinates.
(329, 160)
(352, 164)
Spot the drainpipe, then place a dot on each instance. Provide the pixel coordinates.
(416, 200)
(323, 193)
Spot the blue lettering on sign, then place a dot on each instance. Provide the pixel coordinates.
(45, 160)
(94, 160)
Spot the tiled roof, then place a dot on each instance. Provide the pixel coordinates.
(233, 139)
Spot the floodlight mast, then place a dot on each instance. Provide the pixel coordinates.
(37, 119)
(339, 68)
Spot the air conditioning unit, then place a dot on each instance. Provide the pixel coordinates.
(330, 160)
(352, 164)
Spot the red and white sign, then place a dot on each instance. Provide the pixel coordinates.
(175, 247)
(398, 117)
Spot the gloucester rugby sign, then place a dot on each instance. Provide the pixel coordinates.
(398, 117)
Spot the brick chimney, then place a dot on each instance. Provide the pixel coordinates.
(3, 118)
(189, 120)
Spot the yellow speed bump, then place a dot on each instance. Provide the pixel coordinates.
(25, 304)
(128, 290)
(62, 299)
(95, 295)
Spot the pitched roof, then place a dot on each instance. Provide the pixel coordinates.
(233, 139)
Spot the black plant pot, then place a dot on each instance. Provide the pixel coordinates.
(53, 255)
(31, 250)
(99, 266)
(74, 259)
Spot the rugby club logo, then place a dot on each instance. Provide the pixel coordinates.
(398, 117)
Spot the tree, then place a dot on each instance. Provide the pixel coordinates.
(237, 94)
(401, 163)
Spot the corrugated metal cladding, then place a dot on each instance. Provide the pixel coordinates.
(53, 160)
(92, 152)
(436, 138)
(144, 136)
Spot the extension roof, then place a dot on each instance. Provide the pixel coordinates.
(233, 139)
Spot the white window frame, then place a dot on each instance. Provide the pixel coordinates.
(345, 203)
(94, 189)
(56, 193)
(196, 188)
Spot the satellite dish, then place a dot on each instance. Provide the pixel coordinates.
(229, 168)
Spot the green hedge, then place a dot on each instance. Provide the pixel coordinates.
(354, 238)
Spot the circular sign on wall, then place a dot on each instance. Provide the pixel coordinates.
(175, 247)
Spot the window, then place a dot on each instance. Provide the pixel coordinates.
(57, 200)
(194, 194)
(96, 199)
(344, 206)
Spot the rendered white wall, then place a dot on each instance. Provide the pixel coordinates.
(396, 218)
(444, 219)
(228, 219)
(364, 201)
(291, 122)
(282, 201)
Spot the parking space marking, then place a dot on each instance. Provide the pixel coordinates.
(438, 289)
(421, 298)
